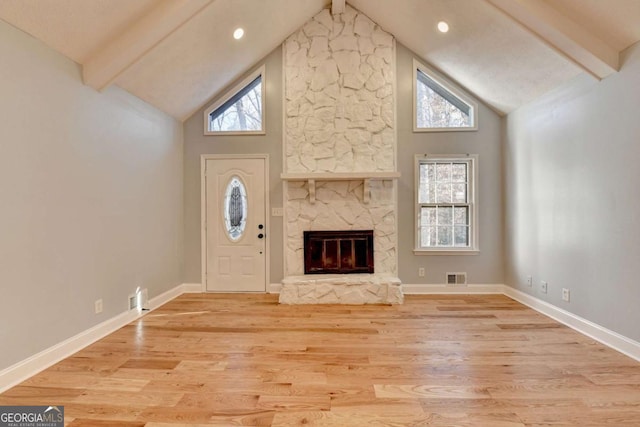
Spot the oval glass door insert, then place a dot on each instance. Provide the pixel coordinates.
(235, 208)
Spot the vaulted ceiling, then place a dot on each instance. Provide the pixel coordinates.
(178, 54)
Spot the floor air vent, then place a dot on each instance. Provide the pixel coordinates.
(456, 279)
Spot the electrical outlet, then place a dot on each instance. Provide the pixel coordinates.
(565, 294)
(277, 212)
(421, 272)
(529, 281)
(543, 287)
(98, 306)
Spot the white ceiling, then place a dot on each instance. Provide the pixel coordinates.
(178, 54)
(200, 58)
(75, 28)
(616, 22)
(484, 50)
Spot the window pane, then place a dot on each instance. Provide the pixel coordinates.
(437, 107)
(427, 183)
(427, 236)
(428, 216)
(443, 172)
(459, 172)
(444, 236)
(461, 215)
(431, 191)
(460, 193)
(445, 216)
(443, 193)
(427, 171)
(461, 235)
(431, 172)
(243, 112)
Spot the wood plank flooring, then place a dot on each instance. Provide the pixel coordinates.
(449, 360)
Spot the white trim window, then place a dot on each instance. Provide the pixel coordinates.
(446, 204)
(241, 110)
(438, 105)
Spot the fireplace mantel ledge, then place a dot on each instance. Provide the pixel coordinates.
(366, 177)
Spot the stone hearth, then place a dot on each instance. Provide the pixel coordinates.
(341, 289)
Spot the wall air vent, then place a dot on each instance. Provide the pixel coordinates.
(139, 300)
(454, 279)
(133, 302)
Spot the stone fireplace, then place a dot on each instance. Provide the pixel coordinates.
(340, 155)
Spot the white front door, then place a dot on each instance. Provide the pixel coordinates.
(235, 228)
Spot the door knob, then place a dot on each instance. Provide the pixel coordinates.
(260, 236)
(260, 226)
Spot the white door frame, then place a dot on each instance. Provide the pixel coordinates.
(203, 211)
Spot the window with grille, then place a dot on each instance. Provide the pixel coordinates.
(446, 212)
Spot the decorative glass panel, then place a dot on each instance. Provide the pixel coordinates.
(235, 208)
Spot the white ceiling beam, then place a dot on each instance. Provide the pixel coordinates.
(563, 34)
(337, 7)
(104, 66)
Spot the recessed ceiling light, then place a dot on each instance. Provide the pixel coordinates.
(238, 33)
(443, 27)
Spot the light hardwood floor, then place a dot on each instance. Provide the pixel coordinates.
(455, 360)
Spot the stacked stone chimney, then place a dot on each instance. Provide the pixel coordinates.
(340, 118)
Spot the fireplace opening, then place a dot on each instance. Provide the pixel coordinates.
(341, 252)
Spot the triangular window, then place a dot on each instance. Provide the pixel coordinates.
(241, 110)
(438, 106)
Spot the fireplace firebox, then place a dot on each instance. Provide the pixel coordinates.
(338, 252)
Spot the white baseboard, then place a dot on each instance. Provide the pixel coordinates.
(192, 288)
(424, 289)
(599, 333)
(15, 374)
(274, 288)
(19, 372)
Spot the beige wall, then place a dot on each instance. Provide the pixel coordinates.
(196, 144)
(486, 267)
(90, 199)
(572, 197)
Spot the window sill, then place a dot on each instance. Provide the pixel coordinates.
(235, 132)
(446, 252)
(452, 129)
